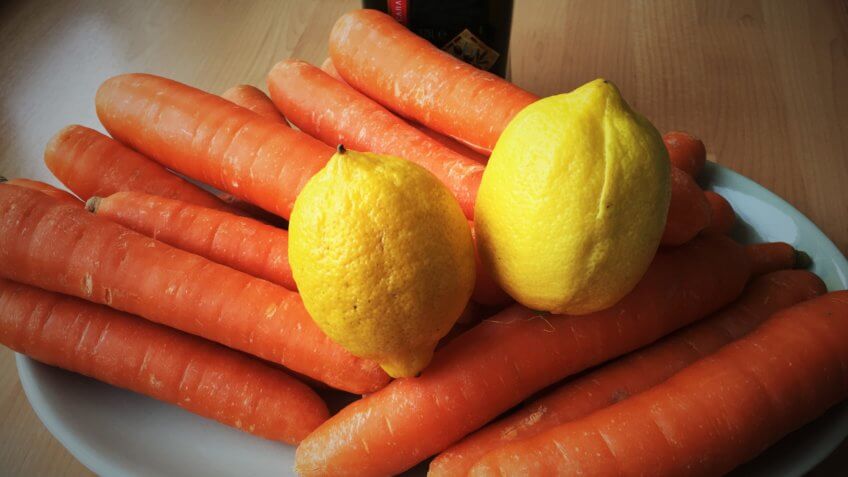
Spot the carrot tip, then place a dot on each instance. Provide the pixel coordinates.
(802, 260)
(92, 204)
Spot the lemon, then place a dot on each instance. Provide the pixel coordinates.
(383, 258)
(573, 201)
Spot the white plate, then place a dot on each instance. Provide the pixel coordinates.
(115, 432)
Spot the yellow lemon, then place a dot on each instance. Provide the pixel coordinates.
(573, 201)
(383, 258)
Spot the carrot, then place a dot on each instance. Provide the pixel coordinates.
(338, 114)
(405, 73)
(65, 249)
(210, 139)
(131, 353)
(254, 99)
(688, 211)
(635, 372)
(506, 358)
(722, 216)
(710, 417)
(686, 152)
(90, 164)
(44, 188)
(450, 143)
(768, 257)
(238, 242)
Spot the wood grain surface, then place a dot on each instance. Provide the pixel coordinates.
(763, 83)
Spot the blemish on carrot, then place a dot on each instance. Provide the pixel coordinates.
(87, 285)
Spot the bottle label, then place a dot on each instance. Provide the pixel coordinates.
(470, 49)
(399, 9)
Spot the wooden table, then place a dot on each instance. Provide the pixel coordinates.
(762, 82)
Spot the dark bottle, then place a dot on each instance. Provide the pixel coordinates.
(475, 31)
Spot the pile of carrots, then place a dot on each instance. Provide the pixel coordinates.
(146, 281)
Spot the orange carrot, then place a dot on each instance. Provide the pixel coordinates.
(635, 372)
(686, 152)
(65, 249)
(506, 358)
(238, 242)
(722, 216)
(254, 99)
(90, 164)
(768, 257)
(131, 353)
(405, 73)
(338, 114)
(210, 139)
(453, 144)
(44, 188)
(710, 417)
(688, 211)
